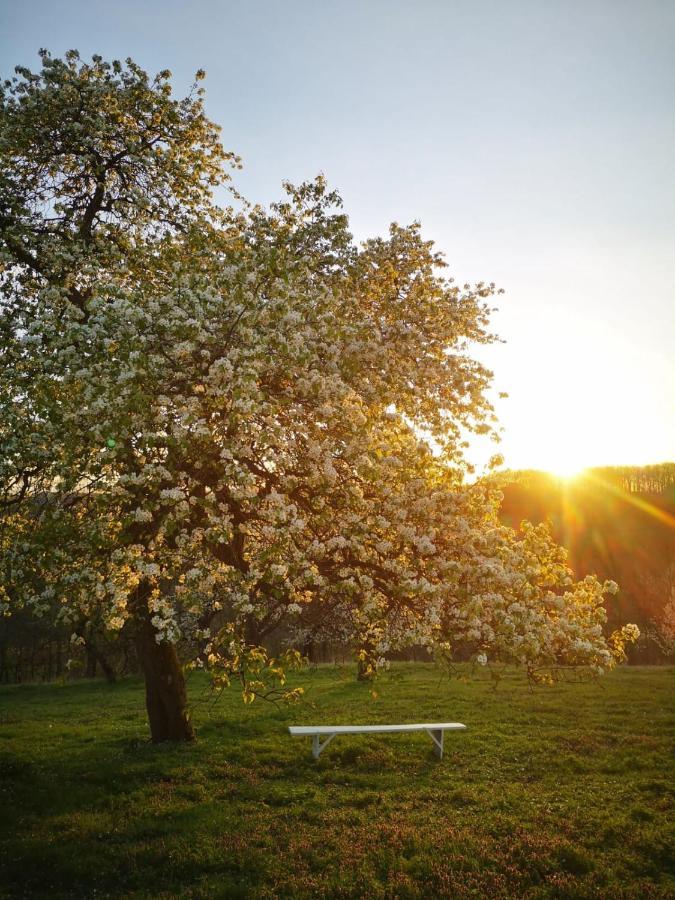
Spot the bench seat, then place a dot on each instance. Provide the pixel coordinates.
(435, 730)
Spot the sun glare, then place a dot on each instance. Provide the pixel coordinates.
(564, 459)
(574, 401)
(560, 459)
(566, 469)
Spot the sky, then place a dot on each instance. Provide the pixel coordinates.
(533, 139)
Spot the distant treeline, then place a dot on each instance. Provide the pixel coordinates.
(33, 648)
(657, 479)
(617, 523)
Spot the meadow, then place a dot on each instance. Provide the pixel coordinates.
(552, 792)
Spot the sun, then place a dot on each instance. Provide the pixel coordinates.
(565, 460)
(574, 403)
(566, 470)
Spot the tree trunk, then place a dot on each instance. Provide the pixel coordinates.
(108, 670)
(100, 659)
(165, 692)
(91, 662)
(252, 632)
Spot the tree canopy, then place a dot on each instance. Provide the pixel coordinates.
(220, 423)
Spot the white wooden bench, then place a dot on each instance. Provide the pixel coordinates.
(434, 730)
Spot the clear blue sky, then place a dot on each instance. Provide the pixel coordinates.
(534, 139)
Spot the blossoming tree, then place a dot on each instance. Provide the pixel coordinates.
(216, 423)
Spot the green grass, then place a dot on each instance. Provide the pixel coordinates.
(560, 792)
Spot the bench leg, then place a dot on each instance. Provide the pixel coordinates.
(436, 736)
(317, 746)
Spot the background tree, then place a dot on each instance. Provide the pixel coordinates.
(215, 423)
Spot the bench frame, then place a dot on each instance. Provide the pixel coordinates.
(435, 731)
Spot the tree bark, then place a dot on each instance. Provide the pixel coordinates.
(165, 691)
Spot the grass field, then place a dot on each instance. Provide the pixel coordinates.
(560, 792)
